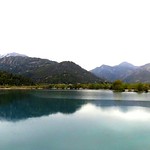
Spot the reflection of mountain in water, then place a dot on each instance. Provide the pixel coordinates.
(18, 105)
(119, 103)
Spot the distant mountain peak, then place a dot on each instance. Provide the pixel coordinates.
(125, 64)
(103, 66)
(112, 73)
(13, 54)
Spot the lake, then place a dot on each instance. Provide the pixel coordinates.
(74, 120)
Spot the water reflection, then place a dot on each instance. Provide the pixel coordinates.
(76, 120)
(22, 105)
(122, 113)
(19, 105)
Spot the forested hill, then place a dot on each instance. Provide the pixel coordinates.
(10, 79)
(46, 71)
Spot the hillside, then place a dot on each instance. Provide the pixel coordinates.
(22, 65)
(112, 73)
(125, 72)
(10, 79)
(46, 71)
(142, 74)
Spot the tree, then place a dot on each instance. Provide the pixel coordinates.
(140, 87)
(118, 86)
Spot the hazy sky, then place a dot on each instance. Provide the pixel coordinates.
(88, 32)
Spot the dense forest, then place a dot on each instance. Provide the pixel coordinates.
(10, 79)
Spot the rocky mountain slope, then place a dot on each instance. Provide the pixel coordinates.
(46, 71)
(112, 73)
(125, 72)
(142, 74)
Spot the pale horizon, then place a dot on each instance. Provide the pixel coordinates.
(89, 33)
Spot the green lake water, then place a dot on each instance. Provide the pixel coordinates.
(74, 120)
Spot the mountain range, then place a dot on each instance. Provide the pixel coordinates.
(125, 72)
(46, 71)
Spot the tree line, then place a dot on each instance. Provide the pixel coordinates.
(117, 86)
(10, 79)
(120, 86)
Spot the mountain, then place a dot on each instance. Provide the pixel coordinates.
(23, 65)
(12, 54)
(141, 74)
(46, 71)
(112, 73)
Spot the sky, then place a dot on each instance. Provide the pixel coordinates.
(87, 32)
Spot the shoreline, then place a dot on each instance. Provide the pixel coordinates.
(20, 88)
(45, 88)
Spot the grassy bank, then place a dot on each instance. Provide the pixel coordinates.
(19, 87)
(118, 86)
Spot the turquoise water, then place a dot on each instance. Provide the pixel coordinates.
(74, 120)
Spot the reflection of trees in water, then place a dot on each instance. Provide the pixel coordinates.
(14, 106)
(117, 95)
(18, 105)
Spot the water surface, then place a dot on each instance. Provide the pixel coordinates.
(74, 120)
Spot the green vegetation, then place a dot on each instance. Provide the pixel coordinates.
(79, 86)
(13, 80)
(10, 81)
(116, 87)
(119, 86)
(139, 87)
(43, 71)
